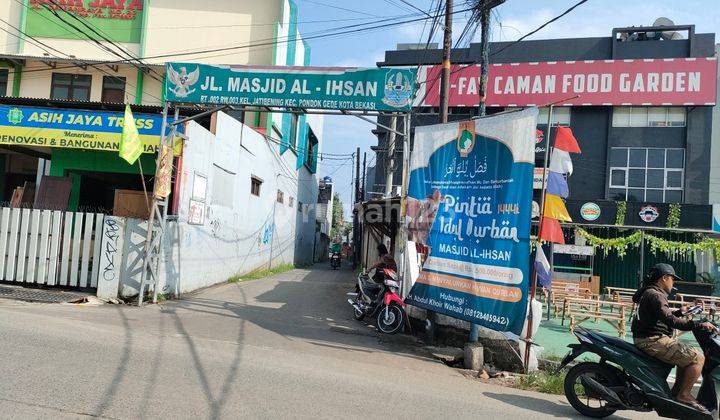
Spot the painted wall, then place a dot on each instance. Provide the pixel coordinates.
(241, 232)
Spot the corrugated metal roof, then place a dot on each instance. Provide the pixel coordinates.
(74, 60)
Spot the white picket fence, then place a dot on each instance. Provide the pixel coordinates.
(50, 247)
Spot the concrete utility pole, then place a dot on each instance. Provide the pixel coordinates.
(364, 182)
(356, 224)
(445, 76)
(390, 170)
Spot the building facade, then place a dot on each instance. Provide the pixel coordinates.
(640, 102)
(67, 69)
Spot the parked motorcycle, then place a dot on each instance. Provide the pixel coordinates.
(380, 300)
(334, 260)
(628, 379)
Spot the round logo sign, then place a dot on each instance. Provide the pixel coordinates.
(535, 210)
(649, 214)
(590, 211)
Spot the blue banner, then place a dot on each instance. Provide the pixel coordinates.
(469, 206)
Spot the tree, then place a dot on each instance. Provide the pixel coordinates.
(338, 222)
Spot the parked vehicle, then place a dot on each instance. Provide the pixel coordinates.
(628, 379)
(380, 300)
(335, 260)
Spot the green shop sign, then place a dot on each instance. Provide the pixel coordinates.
(378, 89)
(119, 20)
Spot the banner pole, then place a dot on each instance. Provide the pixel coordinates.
(533, 285)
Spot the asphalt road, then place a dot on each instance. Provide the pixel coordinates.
(280, 347)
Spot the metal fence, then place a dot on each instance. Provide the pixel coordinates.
(53, 248)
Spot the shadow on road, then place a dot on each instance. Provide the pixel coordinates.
(539, 405)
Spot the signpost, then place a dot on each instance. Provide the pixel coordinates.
(347, 89)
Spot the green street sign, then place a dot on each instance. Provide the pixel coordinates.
(376, 89)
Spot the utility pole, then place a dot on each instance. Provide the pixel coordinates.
(356, 224)
(445, 76)
(364, 182)
(390, 170)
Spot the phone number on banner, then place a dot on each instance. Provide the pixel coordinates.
(502, 320)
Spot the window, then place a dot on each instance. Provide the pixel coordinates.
(646, 174)
(113, 90)
(291, 201)
(280, 197)
(255, 184)
(292, 141)
(3, 82)
(657, 116)
(561, 115)
(223, 187)
(312, 152)
(72, 87)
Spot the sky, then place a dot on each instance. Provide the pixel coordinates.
(511, 20)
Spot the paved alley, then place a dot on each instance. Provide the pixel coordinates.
(280, 347)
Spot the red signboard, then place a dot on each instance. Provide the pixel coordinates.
(678, 81)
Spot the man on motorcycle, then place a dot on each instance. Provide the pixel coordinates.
(652, 328)
(385, 260)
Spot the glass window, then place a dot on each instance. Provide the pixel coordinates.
(646, 174)
(621, 116)
(638, 158)
(654, 196)
(618, 156)
(673, 196)
(656, 158)
(657, 117)
(639, 117)
(676, 117)
(655, 178)
(673, 179)
(113, 90)
(675, 158)
(561, 115)
(3, 81)
(72, 87)
(255, 184)
(635, 194)
(617, 178)
(636, 178)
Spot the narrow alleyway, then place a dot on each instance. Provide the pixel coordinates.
(280, 347)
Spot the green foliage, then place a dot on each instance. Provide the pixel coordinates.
(673, 219)
(546, 382)
(338, 227)
(667, 247)
(621, 211)
(258, 274)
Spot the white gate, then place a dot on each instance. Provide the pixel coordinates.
(50, 247)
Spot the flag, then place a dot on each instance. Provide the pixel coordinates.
(555, 208)
(130, 146)
(564, 140)
(560, 162)
(551, 231)
(542, 268)
(557, 184)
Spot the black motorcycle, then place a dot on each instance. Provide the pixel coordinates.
(627, 379)
(335, 260)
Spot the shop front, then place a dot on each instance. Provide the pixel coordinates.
(67, 159)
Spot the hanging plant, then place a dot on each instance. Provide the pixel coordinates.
(620, 215)
(673, 219)
(619, 245)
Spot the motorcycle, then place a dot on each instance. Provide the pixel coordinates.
(334, 260)
(379, 300)
(627, 379)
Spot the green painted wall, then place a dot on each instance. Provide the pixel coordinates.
(68, 162)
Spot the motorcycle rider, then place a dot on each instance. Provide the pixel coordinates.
(385, 260)
(652, 328)
(336, 249)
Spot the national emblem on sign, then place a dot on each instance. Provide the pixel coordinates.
(183, 80)
(398, 89)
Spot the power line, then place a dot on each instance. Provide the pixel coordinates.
(342, 8)
(539, 28)
(417, 8)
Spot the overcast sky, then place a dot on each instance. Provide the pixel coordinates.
(509, 22)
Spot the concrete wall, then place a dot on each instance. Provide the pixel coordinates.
(240, 232)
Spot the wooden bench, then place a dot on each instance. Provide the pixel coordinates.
(579, 310)
(709, 304)
(562, 290)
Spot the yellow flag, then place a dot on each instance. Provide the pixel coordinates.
(555, 208)
(130, 146)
